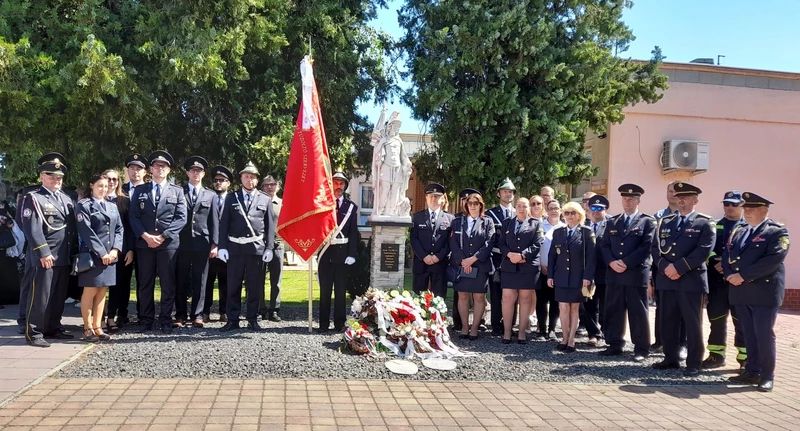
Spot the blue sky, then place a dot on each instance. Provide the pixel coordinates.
(750, 34)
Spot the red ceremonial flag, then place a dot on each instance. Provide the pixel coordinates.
(307, 218)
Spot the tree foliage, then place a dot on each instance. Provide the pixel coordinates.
(511, 88)
(99, 79)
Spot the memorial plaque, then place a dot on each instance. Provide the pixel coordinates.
(390, 257)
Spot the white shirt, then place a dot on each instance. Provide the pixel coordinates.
(470, 224)
(433, 214)
(508, 211)
(162, 185)
(548, 239)
(629, 217)
(547, 227)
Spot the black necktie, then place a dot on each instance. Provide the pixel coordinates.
(594, 227)
(247, 201)
(219, 202)
(433, 218)
(627, 222)
(337, 205)
(194, 195)
(680, 222)
(158, 193)
(103, 206)
(517, 224)
(569, 235)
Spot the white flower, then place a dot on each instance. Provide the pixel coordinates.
(406, 294)
(393, 293)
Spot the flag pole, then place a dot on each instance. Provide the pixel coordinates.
(310, 291)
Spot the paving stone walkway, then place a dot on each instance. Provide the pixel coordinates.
(274, 405)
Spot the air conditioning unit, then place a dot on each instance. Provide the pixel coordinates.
(684, 155)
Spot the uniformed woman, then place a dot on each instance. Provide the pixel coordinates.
(520, 241)
(119, 293)
(471, 247)
(571, 263)
(100, 234)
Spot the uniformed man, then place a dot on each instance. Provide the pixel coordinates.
(625, 247)
(157, 216)
(196, 246)
(246, 242)
(719, 307)
(271, 186)
(683, 243)
(462, 198)
(48, 222)
(336, 259)
(753, 264)
(217, 268)
(594, 316)
(505, 192)
(430, 235)
(119, 297)
(26, 282)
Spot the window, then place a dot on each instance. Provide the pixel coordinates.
(365, 203)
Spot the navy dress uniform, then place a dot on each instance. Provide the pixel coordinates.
(594, 315)
(524, 237)
(757, 254)
(627, 238)
(466, 243)
(157, 209)
(193, 252)
(333, 272)
(718, 307)
(462, 197)
(685, 241)
(247, 235)
(430, 236)
(119, 296)
(217, 268)
(48, 222)
(571, 260)
(100, 231)
(28, 271)
(498, 214)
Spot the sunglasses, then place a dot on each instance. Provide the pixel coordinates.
(219, 180)
(112, 179)
(570, 213)
(730, 204)
(536, 204)
(597, 208)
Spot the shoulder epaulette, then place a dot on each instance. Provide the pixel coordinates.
(84, 200)
(647, 216)
(706, 216)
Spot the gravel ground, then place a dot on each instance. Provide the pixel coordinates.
(286, 350)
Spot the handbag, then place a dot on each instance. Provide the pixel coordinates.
(6, 238)
(472, 274)
(81, 263)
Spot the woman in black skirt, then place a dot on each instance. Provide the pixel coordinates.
(571, 264)
(119, 294)
(519, 240)
(100, 234)
(471, 245)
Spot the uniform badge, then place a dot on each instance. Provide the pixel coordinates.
(27, 212)
(50, 220)
(558, 250)
(663, 242)
(784, 242)
(141, 205)
(80, 217)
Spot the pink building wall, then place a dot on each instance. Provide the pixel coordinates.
(754, 136)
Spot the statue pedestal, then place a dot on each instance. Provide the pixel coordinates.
(388, 255)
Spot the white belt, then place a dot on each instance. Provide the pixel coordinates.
(337, 241)
(247, 240)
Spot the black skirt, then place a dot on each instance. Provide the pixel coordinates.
(569, 295)
(519, 280)
(99, 276)
(473, 285)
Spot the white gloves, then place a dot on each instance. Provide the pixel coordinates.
(267, 256)
(349, 260)
(222, 255)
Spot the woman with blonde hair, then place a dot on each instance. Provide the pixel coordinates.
(570, 269)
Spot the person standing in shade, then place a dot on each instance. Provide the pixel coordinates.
(547, 308)
(100, 233)
(217, 268)
(429, 236)
(336, 259)
(520, 241)
(271, 186)
(462, 200)
(719, 307)
(571, 263)
(158, 214)
(196, 245)
(625, 247)
(753, 263)
(246, 242)
(471, 245)
(48, 222)
(498, 214)
(594, 317)
(682, 245)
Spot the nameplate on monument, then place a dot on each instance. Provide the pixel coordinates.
(390, 257)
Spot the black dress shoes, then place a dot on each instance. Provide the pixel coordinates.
(561, 347)
(569, 349)
(254, 326)
(691, 372)
(230, 326)
(639, 358)
(664, 365)
(746, 378)
(145, 328)
(506, 341)
(38, 342)
(273, 317)
(765, 386)
(60, 335)
(322, 330)
(656, 348)
(166, 329)
(610, 351)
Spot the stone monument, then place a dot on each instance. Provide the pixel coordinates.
(390, 219)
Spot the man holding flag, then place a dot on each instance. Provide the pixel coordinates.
(307, 220)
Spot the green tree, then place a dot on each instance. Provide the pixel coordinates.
(98, 79)
(510, 88)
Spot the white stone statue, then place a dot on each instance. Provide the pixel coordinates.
(391, 168)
